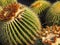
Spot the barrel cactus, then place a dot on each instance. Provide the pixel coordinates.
(40, 8)
(53, 14)
(18, 25)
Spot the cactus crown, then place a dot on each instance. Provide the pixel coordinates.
(7, 7)
(9, 11)
(39, 6)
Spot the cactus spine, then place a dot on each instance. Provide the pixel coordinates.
(51, 35)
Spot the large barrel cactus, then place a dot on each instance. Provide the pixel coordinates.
(40, 8)
(53, 14)
(18, 25)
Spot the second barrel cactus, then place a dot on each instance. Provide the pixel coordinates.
(40, 8)
(53, 14)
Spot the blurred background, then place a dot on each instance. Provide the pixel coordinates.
(28, 2)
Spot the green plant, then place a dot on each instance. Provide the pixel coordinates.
(18, 25)
(5, 2)
(53, 14)
(40, 8)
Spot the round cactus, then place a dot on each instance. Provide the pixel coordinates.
(40, 8)
(18, 25)
(53, 14)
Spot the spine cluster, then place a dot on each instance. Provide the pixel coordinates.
(51, 35)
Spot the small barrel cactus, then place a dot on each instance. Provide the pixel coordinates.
(18, 25)
(53, 14)
(40, 8)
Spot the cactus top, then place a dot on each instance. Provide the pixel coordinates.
(39, 6)
(55, 8)
(10, 11)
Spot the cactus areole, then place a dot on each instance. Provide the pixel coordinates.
(10, 12)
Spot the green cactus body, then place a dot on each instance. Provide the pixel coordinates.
(40, 8)
(19, 25)
(53, 14)
(5, 2)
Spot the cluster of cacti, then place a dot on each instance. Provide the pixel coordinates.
(51, 18)
(37, 24)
